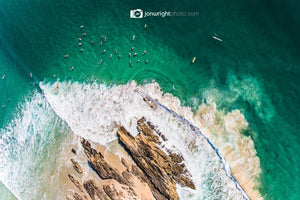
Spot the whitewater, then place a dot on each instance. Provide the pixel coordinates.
(95, 111)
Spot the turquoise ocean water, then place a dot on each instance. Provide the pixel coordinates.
(256, 69)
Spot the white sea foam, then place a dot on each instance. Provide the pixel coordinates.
(95, 111)
(29, 146)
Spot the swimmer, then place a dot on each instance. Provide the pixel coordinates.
(144, 52)
(83, 34)
(54, 75)
(101, 43)
(72, 68)
(194, 59)
(81, 27)
(130, 64)
(100, 62)
(146, 61)
(103, 52)
(133, 37)
(145, 26)
(134, 54)
(3, 77)
(81, 50)
(79, 39)
(138, 61)
(116, 51)
(3, 106)
(104, 39)
(129, 55)
(30, 74)
(131, 48)
(79, 43)
(66, 56)
(119, 56)
(110, 56)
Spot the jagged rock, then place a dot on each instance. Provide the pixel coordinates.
(76, 166)
(78, 197)
(73, 151)
(162, 170)
(102, 168)
(151, 168)
(112, 193)
(75, 182)
(94, 191)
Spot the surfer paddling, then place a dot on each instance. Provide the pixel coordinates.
(216, 38)
(194, 59)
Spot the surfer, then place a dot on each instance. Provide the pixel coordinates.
(81, 50)
(116, 51)
(66, 56)
(133, 37)
(80, 44)
(3, 77)
(83, 34)
(216, 38)
(30, 74)
(194, 59)
(110, 56)
(100, 43)
(119, 56)
(144, 52)
(103, 52)
(134, 54)
(129, 55)
(138, 61)
(145, 26)
(146, 61)
(100, 62)
(81, 27)
(131, 48)
(72, 68)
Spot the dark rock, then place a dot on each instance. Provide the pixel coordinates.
(76, 166)
(94, 191)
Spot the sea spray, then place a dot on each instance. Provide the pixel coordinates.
(95, 111)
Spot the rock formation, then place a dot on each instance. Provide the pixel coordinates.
(148, 171)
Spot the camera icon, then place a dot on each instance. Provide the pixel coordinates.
(137, 13)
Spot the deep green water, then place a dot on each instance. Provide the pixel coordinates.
(256, 68)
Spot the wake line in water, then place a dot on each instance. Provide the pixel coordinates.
(225, 166)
